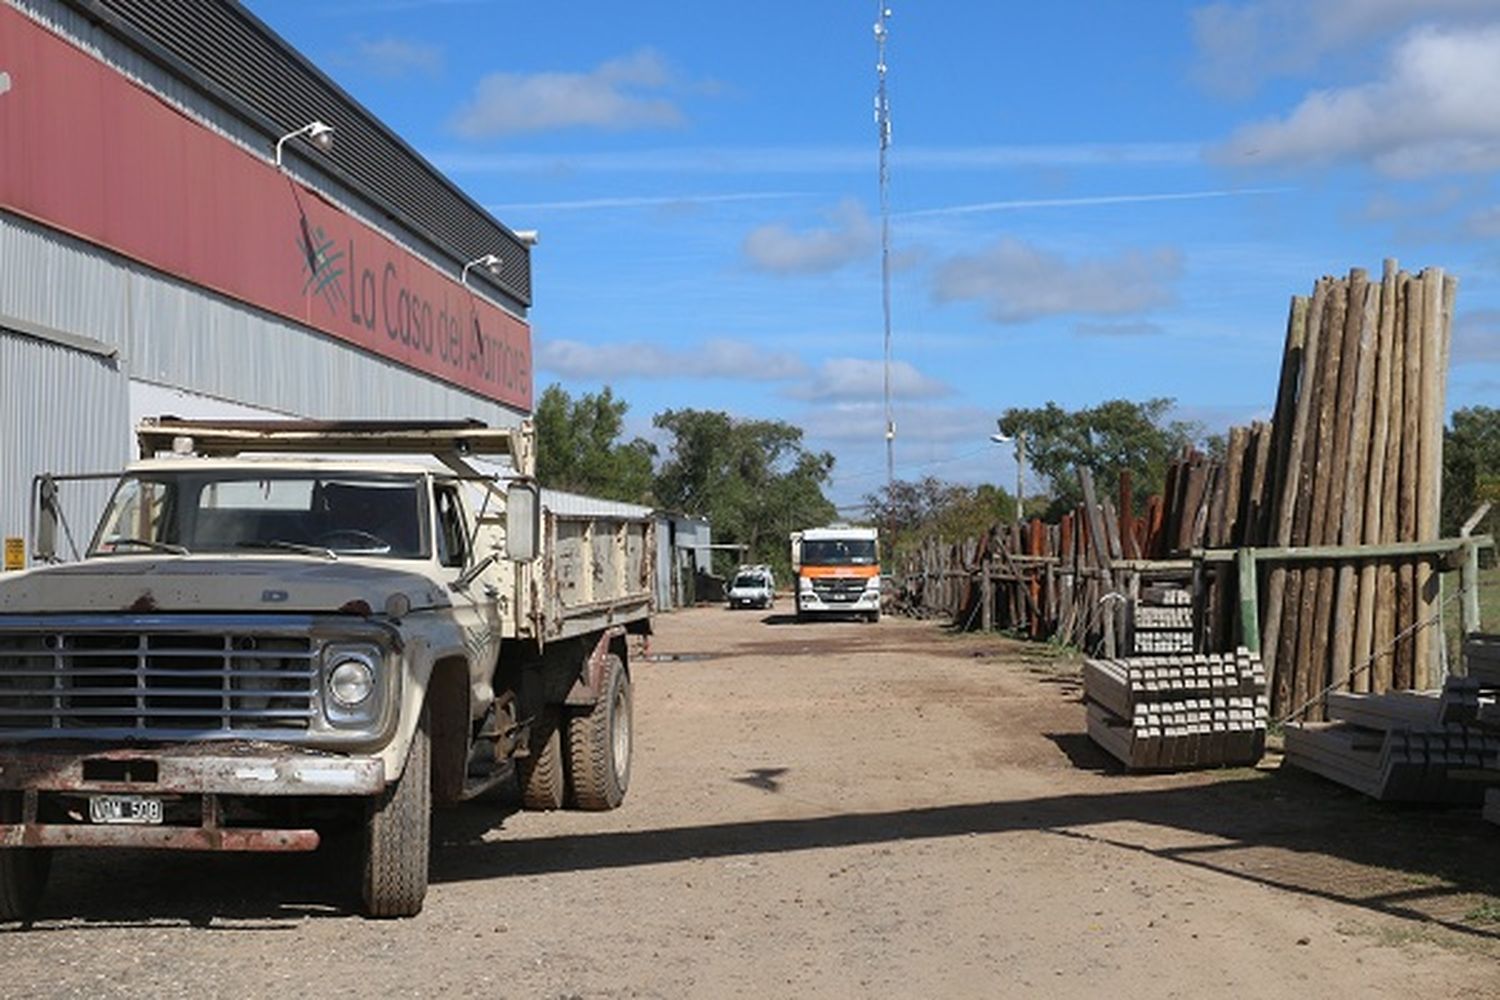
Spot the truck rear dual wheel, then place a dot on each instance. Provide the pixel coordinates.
(541, 773)
(397, 836)
(600, 743)
(23, 870)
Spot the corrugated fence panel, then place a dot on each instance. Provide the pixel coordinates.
(62, 411)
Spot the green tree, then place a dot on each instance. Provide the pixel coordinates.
(579, 447)
(1112, 437)
(908, 512)
(1471, 465)
(752, 479)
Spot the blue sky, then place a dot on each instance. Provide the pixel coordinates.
(1090, 200)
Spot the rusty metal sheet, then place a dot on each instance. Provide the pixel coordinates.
(172, 838)
(195, 771)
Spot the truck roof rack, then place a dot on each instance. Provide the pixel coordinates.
(449, 440)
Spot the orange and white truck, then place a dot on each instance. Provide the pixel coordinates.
(837, 571)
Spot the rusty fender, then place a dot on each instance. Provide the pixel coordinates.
(585, 689)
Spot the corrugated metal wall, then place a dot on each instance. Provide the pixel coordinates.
(171, 333)
(61, 411)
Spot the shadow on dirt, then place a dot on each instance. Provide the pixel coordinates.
(239, 892)
(1285, 830)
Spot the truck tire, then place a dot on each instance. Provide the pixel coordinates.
(398, 834)
(600, 742)
(541, 774)
(23, 870)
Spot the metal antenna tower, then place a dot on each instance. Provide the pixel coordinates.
(883, 126)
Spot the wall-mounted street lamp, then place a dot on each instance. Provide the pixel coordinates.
(318, 133)
(490, 262)
(1020, 442)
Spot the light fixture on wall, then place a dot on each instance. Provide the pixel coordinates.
(318, 133)
(490, 262)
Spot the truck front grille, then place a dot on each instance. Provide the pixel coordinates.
(156, 685)
(838, 590)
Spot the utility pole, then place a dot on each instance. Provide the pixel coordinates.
(883, 126)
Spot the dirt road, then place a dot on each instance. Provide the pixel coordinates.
(831, 810)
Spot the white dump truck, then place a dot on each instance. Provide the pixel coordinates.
(281, 627)
(837, 571)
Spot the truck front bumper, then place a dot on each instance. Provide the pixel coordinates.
(199, 774)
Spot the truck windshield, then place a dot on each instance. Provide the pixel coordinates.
(749, 580)
(839, 552)
(239, 510)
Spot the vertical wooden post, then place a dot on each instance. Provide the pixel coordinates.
(1300, 376)
(1356, 471)
(987, 594)
(1430, 471)
(1249, 600)
(1469, 580)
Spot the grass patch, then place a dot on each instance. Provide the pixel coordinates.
(1487, 912)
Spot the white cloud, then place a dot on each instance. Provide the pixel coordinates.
(1240, 45)
(616, 95)
(717, 358)
(1017, 282)
(916, 424)
(395, 57)
(1434, 110)
(855, 379)
(1476, 338)
(848, 236)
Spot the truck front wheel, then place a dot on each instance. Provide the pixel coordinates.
(397, 837)
(23, 870)
(600, 743)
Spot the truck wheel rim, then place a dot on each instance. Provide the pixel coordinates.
(620, 733)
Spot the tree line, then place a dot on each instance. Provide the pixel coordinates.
(756, 481)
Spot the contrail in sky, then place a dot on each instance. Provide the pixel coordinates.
(647, 201)
(1109, 199)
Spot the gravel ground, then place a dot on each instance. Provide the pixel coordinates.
(831, 809)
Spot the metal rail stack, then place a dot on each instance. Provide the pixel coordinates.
(1167, 713)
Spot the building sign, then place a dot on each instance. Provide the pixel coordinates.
(85, 150)
(15, 552)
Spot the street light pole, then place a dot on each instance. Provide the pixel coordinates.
(1020, 476)
(1020, 440)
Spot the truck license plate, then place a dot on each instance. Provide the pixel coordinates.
(124, 809)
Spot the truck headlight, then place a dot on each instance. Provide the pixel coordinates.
(352, 683)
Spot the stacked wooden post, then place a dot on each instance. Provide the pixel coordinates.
(1176, 712)
(1362, 462)
(1352, 455)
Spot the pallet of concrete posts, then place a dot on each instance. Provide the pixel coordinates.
(1346, 754)
(1180, 711)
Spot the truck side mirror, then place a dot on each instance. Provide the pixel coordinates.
(47, 516)
(523, 521)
